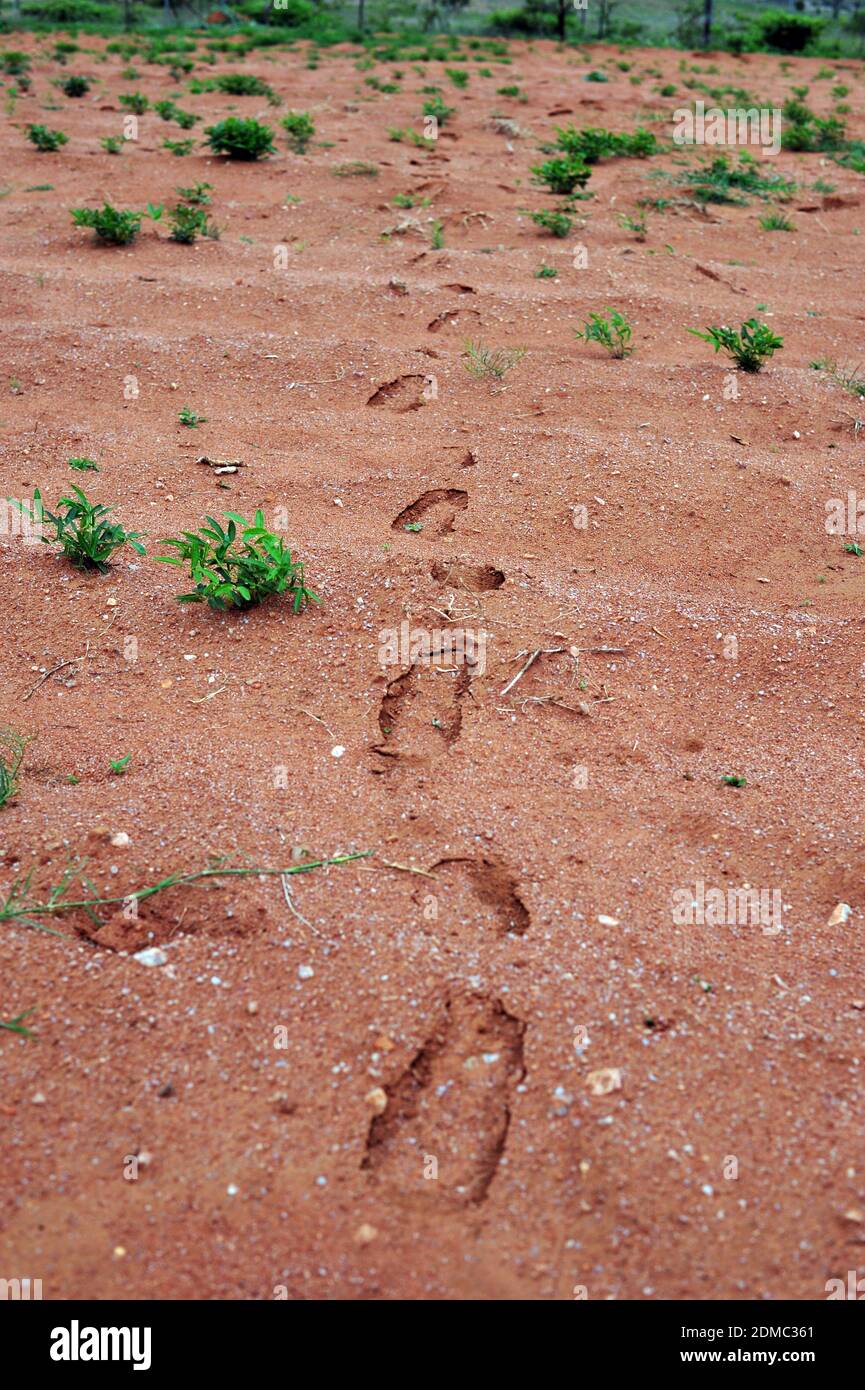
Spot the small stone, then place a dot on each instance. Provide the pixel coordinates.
(337, 751)
(365, 1234)
(305, 972)
(119, 1252)
(38, 1099)
(606, 921)
(605, 1080)
(120, 840)
(151, 955)
(840, 914)
(854, 1214)
(252, 1007)
(376, 1099)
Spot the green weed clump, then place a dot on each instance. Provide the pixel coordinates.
(75, 86)
(750, 346)
(593, 143)
(558, 224)
(81, 528)
(111, 224)
(491, 364)
(45, 140)
(300, 129)
(238, 566)
(562, 174)
(240, 139)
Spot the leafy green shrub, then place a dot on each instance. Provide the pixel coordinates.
(75, 86)
(788, 33)
(802, 131)
(190, 419)
(556, 223)
(178, 147)
(436, 108)
(112, 144)
(168, 111)
(81, 528)
(611, 329)
(720, 181)
(562, 175)
(242, 84)
(300, 129)
(189, 222)
(14, 63)
(545, 272)
(197, 196)
(109, 223)
(240, 139)
(749, 346)
(593, 143)
(82, 465)
(238, 567)
(45, 140)
(134, 101)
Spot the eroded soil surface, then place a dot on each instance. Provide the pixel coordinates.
(385, 1086)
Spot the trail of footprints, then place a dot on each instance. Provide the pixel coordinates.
(444, 1130)
(448, 1113)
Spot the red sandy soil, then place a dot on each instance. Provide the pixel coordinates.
(546, 917)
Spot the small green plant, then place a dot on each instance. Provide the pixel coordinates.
(733, 779)
(749, 346)
(240, 139)
(546, 272)
(81, 528)
(300, 129)
(82, 465)
(776, 222)
(16, 1024)
(242, 84)
(189, 418)
(12, 749)
(134, 101)
(119, 765)
(14, 62)
(110, 224)
(198, 195)
(112, 144)
(638, 225)
(75, 86)
(437, 235)
(596, 76)
(239, 566)
(491, 364)
(593, 143)
(558, 224)
(178, 147)
(847, 378)
(45, 140)
(563, 174)
(852, 548)
(169, 111)
(187, 223)
(611, 329)
(435, 107)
